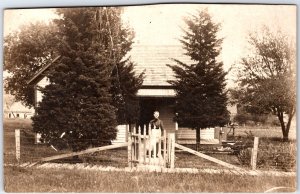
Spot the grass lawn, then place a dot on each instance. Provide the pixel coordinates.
(43, 180)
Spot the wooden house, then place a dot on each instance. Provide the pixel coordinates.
(155, 94)
(18, 110)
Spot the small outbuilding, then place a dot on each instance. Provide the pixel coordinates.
(18, 110)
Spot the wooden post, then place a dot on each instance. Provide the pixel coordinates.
(171, 149)
(37, 138)
(165, 148)
(149, 144)
(129, 147)
(139, 146)
(134, 144)
(251, 159)
(154, 147)
(168, 149)
(198, 134)
(126, 133)
(254, 153)
(145, 144)
(18, 150)
(220, 135)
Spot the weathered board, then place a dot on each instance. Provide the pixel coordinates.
(208, 157)
(91, 150)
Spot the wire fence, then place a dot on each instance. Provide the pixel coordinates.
(279, 156)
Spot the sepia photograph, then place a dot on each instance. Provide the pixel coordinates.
(158, 98)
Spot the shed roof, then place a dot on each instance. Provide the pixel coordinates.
(39, 75)
(20, 108)
(154, 59)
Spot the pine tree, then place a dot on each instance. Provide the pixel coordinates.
(125, 85)
(77, 105)
(200, 87)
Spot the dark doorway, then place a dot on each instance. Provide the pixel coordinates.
(165, 106)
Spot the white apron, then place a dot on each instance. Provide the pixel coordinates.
(155, 138)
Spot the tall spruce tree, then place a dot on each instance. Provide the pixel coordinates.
(200, 87)
(125, 85)
(77, 105)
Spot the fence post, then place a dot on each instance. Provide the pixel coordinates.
(134, 144)
(17, 138)
(150, 144)
(165, 148)
(171, 149)
(254, 153)
(159, 148)
(139, 146)
(145, 144)
(220, 135)
(129, 146)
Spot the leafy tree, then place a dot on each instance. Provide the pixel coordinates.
(267, 77)
(78, 99)
(25, 52)
(201, 99)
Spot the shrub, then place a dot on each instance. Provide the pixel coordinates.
(277, 155)
(244, 156)
(272, 153)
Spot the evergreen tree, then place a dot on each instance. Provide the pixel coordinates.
(77, 105)
(125, 85)
(201, 99)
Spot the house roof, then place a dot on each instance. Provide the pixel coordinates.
(18, 107)
(152, 59)
(39, 75)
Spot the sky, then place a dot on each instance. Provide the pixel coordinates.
(162, 24)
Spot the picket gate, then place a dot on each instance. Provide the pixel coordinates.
(152, 149)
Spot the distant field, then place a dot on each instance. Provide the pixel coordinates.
(265, 131)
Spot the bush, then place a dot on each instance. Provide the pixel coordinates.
(277, 155)
(244, 156)
(241, 118)
(272, 153)
(242, 148)
(251, 119)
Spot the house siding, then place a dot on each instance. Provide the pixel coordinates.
(38, 94)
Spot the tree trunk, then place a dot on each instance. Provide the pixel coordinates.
(285, 136)
(288, 125)
(197, 139)
(285, 128)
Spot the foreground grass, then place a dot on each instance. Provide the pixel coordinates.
(44, 180)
